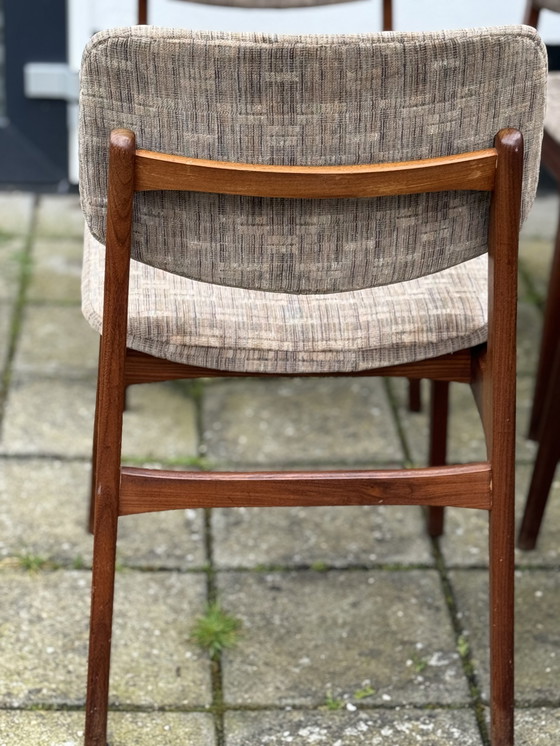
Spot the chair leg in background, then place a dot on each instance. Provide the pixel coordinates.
(414, 395)
(548, 454)
(91, 517)
(549, 344)
(439, 414)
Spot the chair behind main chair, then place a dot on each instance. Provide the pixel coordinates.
(545, 409)
(264, 241)
(387, 7)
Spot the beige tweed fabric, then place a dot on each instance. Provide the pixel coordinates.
(227, 328)
(307, 100)
(292, 286)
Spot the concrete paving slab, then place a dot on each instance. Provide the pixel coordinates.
(56, 341)
(542, 220)
(16, 211)
(335, 537)
(57, 267)
(535, 257)
(160, 422)
(465, 541)
(537, 631)
(21, 728)
(342, 728)
(5, 328)
(12, 255)
(43, 646)
(59, 216)
(52, 417)
(308, 637)
(537, 727)
(299, 421)
(529, 324)
(55, 417)
(466, 439)
(44, 507)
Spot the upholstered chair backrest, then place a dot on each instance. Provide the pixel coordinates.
(308, 100)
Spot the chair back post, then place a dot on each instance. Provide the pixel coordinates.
(110, 406)
(387, 15)
(532, 13)
(142, 12)
(500, 422)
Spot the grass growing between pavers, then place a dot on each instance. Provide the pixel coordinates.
(216, 630)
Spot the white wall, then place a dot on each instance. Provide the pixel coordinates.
(88, 16)
(85, 17)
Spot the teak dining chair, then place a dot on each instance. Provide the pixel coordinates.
(307, 205)
(545, 412)
(386, 7)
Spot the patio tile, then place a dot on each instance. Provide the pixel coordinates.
(5, 327)
(308, 637)
(49, 417)
(300, 421)
(20, 728)
(56, 417)
(537, 632)
(529, 323)
(542, 220)
(57, 267)
(43, 646)
(12, 255)
(16, 211)
(404, 727)
(537, 727)
(56, 341)
(336, 537)
(44, 515)
(60, 216)
(465, 541)
(465, 439)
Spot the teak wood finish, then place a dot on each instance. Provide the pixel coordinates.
(490, 369)
(545, 412)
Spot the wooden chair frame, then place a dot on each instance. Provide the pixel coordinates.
(490, 369)
(387, 14)
(545, 410)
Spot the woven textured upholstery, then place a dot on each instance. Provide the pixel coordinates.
(287, 286)
(236, 329)
(316, 100)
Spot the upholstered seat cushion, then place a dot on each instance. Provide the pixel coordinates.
(236, 329)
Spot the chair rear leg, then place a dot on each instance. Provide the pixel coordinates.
(439, 414)
(502, 626)
(101, 619)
